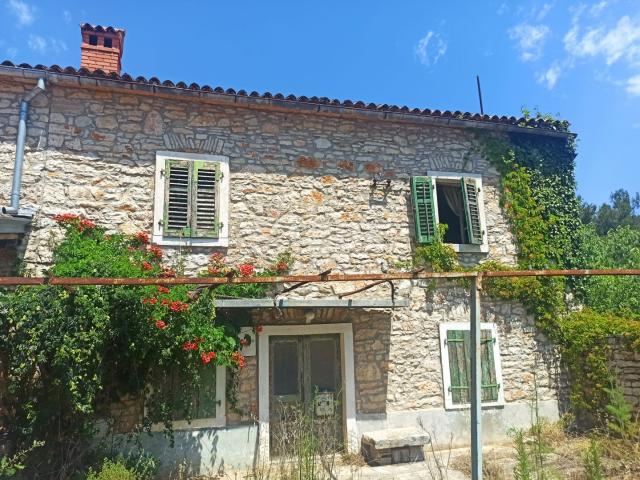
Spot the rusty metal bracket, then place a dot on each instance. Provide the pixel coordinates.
(371, 285)
(323, 276)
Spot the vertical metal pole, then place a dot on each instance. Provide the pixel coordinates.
(476, 379)
(480, 94)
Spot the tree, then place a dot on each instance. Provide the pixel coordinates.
(623, 210)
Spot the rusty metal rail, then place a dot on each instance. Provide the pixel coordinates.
(317, 278)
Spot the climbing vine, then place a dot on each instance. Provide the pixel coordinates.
(69, 352)
(538, 197)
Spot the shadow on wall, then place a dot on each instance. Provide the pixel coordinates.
(207, 451)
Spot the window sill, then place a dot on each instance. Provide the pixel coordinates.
(467, 406)
(469, 248)
(190, 242)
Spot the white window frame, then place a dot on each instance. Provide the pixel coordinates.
(158, 205)
(220, 420)
(446, 375)
(463, 247)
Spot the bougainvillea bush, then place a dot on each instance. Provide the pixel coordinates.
(69, 352)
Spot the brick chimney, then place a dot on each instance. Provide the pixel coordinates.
(101, 48)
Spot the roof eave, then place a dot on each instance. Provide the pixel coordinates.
(136, 87)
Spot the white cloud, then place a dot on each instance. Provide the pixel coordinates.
(529, 39)
(597, 9)
(543, 11)
(12, 52)
(549, 76)
(430, 48)
(37, 43)
(67, 16)
(42, 45)
(621, 41)
(24, 12)
(633, 86)
(503, 8)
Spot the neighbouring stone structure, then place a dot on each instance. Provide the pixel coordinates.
(625, 363)
(300, 179)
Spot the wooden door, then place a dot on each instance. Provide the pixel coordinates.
(305, 390)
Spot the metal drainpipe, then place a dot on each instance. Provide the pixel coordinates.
(13, 208)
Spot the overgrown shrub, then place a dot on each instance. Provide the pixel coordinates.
(68, 352)
(111, 470)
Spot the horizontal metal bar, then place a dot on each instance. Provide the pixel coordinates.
(307, 278)
(562, 273)
(311, 303)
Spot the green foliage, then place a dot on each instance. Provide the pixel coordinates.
(624, 210)
(592, 461)
(437, 256)
(67, 353)
(583, 337)
(619, 248)
(620, 413)
(111, 470)
(11, 465)
(523, 467)
(538, 195)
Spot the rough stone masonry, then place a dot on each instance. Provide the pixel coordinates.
(299, 181)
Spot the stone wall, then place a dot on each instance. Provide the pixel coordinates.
(625, 363)
(298, 181)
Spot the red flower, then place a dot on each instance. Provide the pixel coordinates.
(155, 250)
(167, 272)
(147, 266)
(259, 328)
(178, 306)
(186, 346)
(281, 267)
(142, 237)
(217, 257)
(84, 223)
(214, 270)
(206, 357)
(66, 218)
(164, 302)
(160, 324)
(246, 269)
(162, 289)
(239, 359)
(244, 342)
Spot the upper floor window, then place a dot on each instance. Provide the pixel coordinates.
(191, 199)
(452, 199)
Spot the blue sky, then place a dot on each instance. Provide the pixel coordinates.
(578, 59)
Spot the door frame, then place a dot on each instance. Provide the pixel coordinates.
(345, 330)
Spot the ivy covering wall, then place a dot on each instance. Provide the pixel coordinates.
(538, 195)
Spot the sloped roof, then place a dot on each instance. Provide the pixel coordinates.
(453, 117)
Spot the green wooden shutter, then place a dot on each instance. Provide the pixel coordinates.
(177, 202)
(487, 362)
(472, 211)
(460, 366)
(205, 220)
(424, 211)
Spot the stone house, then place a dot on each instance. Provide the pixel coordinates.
(347, 186)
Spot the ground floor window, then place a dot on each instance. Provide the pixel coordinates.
(206, 408)
(456, 364)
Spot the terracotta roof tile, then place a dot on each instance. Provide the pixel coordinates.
(552, 125)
